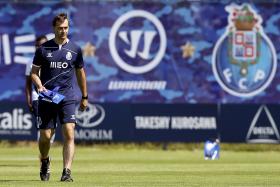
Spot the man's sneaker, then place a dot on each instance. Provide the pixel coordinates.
(45, 169)
(66, 175)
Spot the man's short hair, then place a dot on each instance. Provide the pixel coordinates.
(39, 38)
(59, 18)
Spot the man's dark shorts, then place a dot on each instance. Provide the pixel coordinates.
(50, 112)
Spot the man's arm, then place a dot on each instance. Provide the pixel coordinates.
(28, 90)
(35, 78)
(81, 79)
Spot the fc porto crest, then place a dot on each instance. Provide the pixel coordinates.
(244, 59)
(68, 56)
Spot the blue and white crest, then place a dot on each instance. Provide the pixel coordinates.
(69, 56)
(244, 59)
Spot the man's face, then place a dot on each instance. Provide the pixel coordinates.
(61, 29)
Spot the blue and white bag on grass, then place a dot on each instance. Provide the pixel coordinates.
(212, 150)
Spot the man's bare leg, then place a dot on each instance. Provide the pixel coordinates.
(45, 142)
(68, 150)
(68, 144)
(44, 147)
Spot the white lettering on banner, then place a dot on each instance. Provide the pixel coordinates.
(263, 131)
(16, 132)
(22, 51)
(260, 75)
(152, 122)
(6, 49)
(193, 123)
(137, 85)
(87, 134)
(15, 120)
(21, 132)
(5, 132)
(165, 122)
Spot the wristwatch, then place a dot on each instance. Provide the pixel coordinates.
(85, 97)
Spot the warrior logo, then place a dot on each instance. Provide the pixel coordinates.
(137, 41)
(244, 59)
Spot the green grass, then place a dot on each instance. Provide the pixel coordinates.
(119, 167)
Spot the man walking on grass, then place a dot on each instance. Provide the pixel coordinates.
(58, 60)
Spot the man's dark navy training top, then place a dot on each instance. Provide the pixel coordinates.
(58, 64)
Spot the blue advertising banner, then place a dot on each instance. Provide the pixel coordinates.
(249, 123)
(147, 122)
(154, 51)
(16, 122)
(175, 122)
(126, 122)
(104, 122)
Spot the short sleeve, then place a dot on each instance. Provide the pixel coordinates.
(38, 57)
(79, 60)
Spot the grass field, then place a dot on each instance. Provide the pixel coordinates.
(118, 167)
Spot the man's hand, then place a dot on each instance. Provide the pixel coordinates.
(83, 104)
(42, 89)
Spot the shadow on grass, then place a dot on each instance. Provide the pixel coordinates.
(13, 165)
(15, 180)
